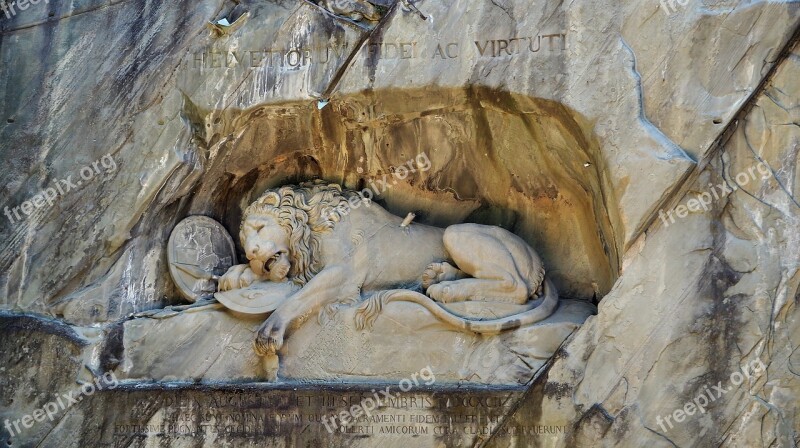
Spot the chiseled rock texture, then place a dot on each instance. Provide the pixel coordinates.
(214, 345)
(565, 123)
(572, 124)
(38, 359)
(707, 305)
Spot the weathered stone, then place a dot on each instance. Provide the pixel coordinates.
(215, 345)
(603, 134)
(730, 322)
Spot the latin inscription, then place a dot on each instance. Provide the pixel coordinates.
(264, 414)
(295, 58)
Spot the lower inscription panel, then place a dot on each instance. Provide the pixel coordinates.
(312, 415)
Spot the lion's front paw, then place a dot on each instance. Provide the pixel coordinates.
(443, 292)
(238, 276)
(270, 336)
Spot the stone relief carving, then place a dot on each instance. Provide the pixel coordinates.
(357, 10)
(315, 246)
(199, 250)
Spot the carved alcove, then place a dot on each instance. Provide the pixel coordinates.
(482, 156)
(525, 164)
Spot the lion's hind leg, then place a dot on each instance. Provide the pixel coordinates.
(493, 257)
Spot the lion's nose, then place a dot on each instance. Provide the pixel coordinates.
(256, 251)
(252, 251)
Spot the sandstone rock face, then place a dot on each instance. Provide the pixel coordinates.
(726, 333)
(200, 125)
(213, 345)
(647, 150)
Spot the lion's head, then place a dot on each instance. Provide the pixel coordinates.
(280, 230)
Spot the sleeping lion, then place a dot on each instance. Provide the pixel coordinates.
(337, 245)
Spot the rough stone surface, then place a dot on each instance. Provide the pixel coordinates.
(190, 413)
(216, 345)
(576, 125)
(657, 343)
(191, 139)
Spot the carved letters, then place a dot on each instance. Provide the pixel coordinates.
(295, 58)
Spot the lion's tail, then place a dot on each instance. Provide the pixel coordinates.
(371, 308)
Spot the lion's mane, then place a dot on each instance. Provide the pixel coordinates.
(305, 211)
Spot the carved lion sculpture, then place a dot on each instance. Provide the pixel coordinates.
(336, 245)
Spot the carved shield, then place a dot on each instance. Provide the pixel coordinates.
(199, 251)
